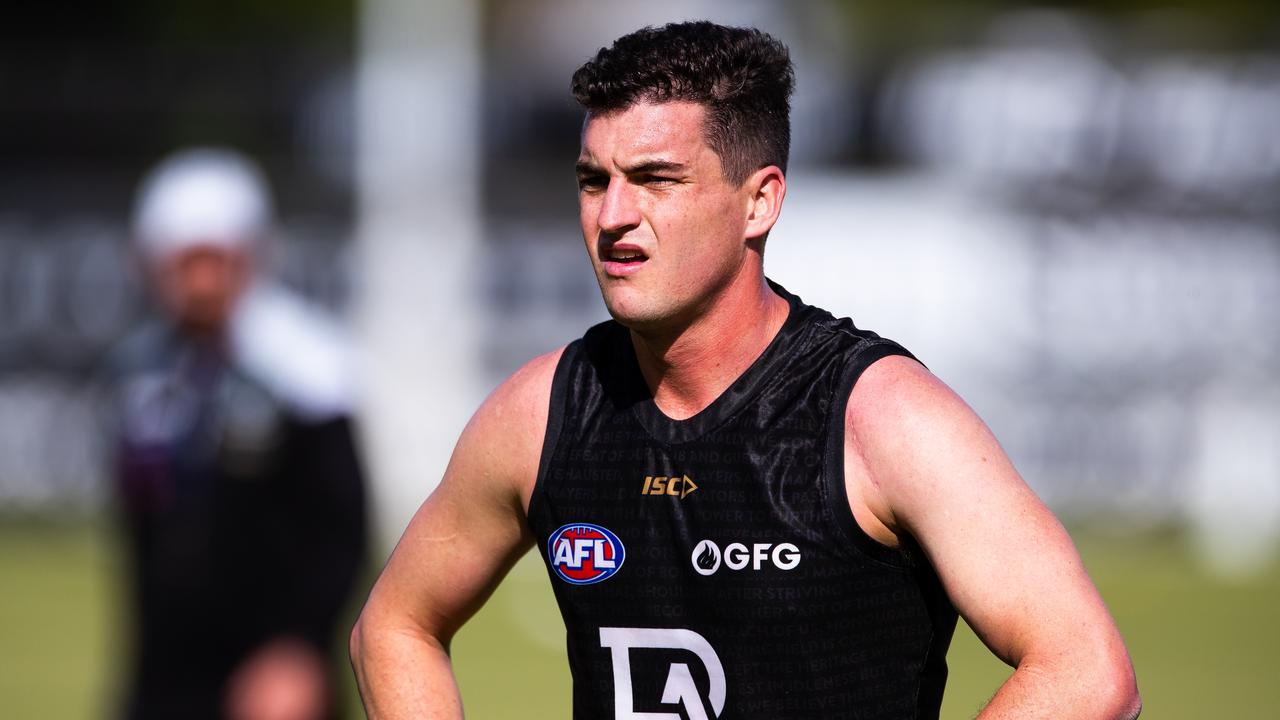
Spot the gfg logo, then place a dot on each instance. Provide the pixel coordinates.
(707, 556)
(582, 553)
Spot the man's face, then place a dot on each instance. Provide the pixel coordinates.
(663, 228)
(199, 286)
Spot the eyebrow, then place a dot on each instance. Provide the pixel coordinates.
(586, 167)
(651, 166)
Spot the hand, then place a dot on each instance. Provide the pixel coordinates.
(283, 680)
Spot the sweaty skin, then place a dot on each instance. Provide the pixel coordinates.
(678, 253)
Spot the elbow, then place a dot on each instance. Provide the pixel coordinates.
(1118, 688)
(1127, 701)
(1098, 682)
(1126, 704)
(355, 644)
(358, 650)
(1134, 707)
(380, 635)
(362, 643)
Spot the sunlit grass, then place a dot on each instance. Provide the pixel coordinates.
(1203, 646)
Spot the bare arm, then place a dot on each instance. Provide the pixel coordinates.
(458, 546)
(920, 462)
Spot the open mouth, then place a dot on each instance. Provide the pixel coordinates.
(625, 256)
(620, 259)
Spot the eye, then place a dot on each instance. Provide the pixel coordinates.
(590, 183)
(657, 180)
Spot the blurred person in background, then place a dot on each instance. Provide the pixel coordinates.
(239, 484)
(747, 508)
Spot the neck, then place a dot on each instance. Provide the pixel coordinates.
(687, 368)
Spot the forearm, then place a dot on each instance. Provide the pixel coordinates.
(403, 673)
(1083, 692)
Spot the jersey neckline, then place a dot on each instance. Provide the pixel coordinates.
(740, 391)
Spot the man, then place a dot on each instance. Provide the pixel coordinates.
(240, 491)
(747, 508)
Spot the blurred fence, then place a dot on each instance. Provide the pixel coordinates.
(1073, 218)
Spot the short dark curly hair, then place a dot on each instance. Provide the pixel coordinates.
(742, 76)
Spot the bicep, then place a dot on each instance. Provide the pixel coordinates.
(449, 560)
(1006, 562)
(472, 529)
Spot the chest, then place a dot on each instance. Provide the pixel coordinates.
(748, 499)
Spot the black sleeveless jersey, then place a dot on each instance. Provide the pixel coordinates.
(710, 567)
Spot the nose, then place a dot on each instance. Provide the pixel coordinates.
(618, 210)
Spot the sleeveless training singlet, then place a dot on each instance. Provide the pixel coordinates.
(711, 567)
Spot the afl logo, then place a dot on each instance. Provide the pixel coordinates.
(582, 553)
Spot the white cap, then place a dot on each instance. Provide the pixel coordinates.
(202, 197)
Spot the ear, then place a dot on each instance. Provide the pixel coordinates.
(765, 189)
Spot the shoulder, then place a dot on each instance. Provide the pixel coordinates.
(898, 411)
(904, 428)
(526, 392)
(502, 442)
(896, 388)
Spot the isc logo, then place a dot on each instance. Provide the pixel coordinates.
(582, 553)
(663, 485)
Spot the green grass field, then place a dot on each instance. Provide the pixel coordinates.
(1203, 647)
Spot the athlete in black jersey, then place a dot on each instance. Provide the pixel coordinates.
(747, 508)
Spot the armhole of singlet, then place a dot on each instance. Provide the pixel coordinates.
(555, 420)
(867, 353)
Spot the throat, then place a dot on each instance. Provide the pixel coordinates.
(687, 373)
